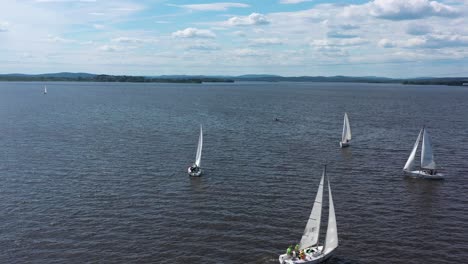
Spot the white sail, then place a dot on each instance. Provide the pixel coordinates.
(45, 89)
(346, 135)
(331, 240)
(311, 232)
(199, 148)
(410, 162)
(427, 157)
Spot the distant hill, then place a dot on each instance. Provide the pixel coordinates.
(275, 78)
(453, 81)
(68, 75)
(89, 77)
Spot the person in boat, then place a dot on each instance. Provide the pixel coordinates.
(296, 249)
(289, 250)
(193, 168)
(302, 255)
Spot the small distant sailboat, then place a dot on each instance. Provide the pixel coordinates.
(195, 169)
(346, 135)
(309, 249)
(427, 168)
(45, 89)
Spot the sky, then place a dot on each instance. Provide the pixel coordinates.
(390, 38)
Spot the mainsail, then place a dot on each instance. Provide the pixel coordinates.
(427, 157)
(311, 232)
(346, 135)
(331, 240)
(410, 163)
(199, 148)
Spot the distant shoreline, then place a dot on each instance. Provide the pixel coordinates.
(104, 78)
(87, 77)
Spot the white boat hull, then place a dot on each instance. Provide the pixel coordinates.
(344, 144)
(194, 173)
(424, 175)
(311, 258)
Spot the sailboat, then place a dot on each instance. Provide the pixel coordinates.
(427, 166)
(346, 135)
(309, 249)
(45, 89)
(195, 169)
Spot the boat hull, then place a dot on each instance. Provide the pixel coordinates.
(310, 259)
(424, 175)
(194, 173)
(344, 144)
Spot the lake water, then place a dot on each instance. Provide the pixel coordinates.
(96, 172)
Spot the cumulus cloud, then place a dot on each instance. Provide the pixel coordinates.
(248, 53)
(348, 27)
(194, 33)
(4, 26)
(409, 9)
(338, 42)
(203, 46)
(386, 43)
(427, 42)
(239, 33)
(58, 39)
(418, 29)
(266, 41)
(128, 40)
(250, 20)
(213, 6)
(440, 41)
(337, 34)
(108, 48)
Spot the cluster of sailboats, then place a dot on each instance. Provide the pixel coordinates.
(309, 251)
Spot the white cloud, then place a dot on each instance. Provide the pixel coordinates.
(409, 9)
(338, 34)
(250, 20)
(293, 1)
(58, 39)
(427, 42)
(239, 33)
(439, 41)
(386, 43)
(109, 48)
(248, 53)
(4, 26)
(203, 46)
(418, 29)
(126, 40)
(213, 6)
(98, 26)
(266, 41)
(194, 33)
(130, 40)
(339, 42)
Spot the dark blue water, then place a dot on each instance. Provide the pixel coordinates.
(96, 173)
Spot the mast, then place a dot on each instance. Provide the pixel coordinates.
(331, 239)
(420, 159)
(325, 240)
